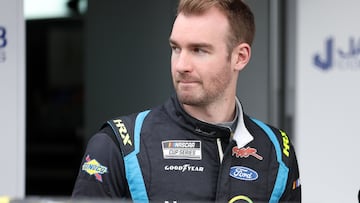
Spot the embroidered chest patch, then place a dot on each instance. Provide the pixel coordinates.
(93, 167)
(181, 149)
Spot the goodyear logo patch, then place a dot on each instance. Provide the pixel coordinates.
(182, 149)
(93, 167)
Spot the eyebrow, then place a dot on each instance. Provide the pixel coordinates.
(172, 42)
(193, 45)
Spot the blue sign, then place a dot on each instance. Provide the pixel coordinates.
(334, 55)
(3, 40)
(3, 43)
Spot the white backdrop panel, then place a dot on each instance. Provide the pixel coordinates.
(328, 99)
(12, 99)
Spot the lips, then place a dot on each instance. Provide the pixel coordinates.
(187, 83)
(186, 80)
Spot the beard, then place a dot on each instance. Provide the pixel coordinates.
(203, 93)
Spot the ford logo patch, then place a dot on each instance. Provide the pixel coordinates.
(243, 173)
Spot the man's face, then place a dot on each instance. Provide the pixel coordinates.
(200, 64)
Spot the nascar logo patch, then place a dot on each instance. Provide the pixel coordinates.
(182, 149)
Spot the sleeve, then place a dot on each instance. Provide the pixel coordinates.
(101, 173)
(292, 192)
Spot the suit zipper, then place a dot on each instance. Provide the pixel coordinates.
(220, 150)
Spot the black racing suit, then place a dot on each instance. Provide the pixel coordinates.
(165, 155)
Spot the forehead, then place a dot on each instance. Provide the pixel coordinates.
(210, 26)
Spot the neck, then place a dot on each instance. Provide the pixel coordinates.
(218, 112)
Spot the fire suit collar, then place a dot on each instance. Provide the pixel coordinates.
(241, 135)
(182, 118)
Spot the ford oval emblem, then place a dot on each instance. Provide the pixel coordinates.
(243, 173)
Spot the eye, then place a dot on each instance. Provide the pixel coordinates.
(198, 50)
(175, 49)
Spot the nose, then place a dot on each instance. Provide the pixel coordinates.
(181, 62)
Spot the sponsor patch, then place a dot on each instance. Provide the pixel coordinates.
(184, 168)
(93, 167)
(240, 198)
(245, 152)
(123, 132)
(296, 184)
(286, 143)
(181, 149)
(243, 173)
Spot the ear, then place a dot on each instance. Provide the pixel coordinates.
(241, 56)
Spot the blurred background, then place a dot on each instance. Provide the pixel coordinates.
(86, 61)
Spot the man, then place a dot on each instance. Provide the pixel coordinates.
(199, 145)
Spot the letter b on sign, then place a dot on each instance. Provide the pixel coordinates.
(2, 37)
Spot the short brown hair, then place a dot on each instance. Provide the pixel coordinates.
(240, 17)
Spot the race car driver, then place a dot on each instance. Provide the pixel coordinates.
(199, 146)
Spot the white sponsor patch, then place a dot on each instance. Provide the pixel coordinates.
(184, 168)
(181, 149)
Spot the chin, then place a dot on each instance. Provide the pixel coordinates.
(190, 99)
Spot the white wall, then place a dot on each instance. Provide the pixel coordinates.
(327, 101)
(12, 99)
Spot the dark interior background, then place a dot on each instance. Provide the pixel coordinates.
(55, 104)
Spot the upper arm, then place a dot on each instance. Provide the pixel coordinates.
(101, 172)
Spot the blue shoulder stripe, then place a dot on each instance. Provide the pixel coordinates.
(282, 175)
(132, 167)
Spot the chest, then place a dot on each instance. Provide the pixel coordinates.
(181, 167)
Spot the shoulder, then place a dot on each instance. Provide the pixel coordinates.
(123, 130)
(278, 137)
(101, 144)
